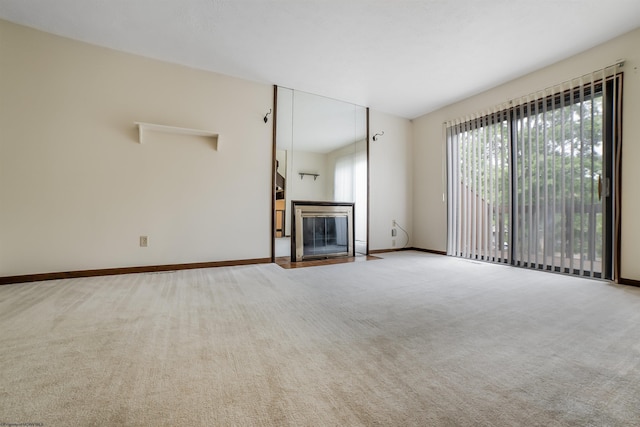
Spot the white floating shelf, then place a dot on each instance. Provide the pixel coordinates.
(144, 127)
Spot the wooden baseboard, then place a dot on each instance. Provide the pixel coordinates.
(431, 251)
(381, 251)
(629, 282)
(127, 270)
(7, 280)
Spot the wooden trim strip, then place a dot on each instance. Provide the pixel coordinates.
(382, 251)
(274, 125)
(431, 251)
(617, 170)
(368, 186)
(629, 282)
(7, 280)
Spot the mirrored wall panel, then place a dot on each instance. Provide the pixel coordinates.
(321, 155)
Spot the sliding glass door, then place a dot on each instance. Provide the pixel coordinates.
(533, 185)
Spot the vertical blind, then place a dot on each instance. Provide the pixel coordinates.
(532, 183)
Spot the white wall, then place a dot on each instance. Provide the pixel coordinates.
(357, 156)
(390, 181)
(307, 188)
(430, 223)
(77, 189)
(359, 147)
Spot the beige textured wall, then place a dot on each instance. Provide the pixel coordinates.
(429, 207)
(307, 188)
(390, 180)
(77, 189)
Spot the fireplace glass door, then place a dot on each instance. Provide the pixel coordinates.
(323, 235)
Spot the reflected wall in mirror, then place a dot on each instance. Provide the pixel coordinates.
(321, 155)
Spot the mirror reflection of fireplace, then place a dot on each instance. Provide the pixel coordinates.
(321, 151)
(322, 230)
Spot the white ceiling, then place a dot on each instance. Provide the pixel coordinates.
(402, 57)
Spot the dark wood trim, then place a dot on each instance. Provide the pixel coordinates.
(431, 251)
(127, 270)
(630, 282)
(617, 170)
(368, 186)
(383, 251)
(273, 173)
(320, 203)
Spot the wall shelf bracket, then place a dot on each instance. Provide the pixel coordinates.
(314, 175)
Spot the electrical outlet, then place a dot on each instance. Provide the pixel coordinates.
(393, 242)
(144, 241)
(393, 222)
(394, 232)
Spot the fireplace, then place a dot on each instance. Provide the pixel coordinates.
(321, 230)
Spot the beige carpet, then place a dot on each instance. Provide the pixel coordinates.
(412, 339)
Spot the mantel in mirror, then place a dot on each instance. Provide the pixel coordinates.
(321, 155)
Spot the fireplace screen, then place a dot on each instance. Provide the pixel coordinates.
(325, 235)
(322, 230)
